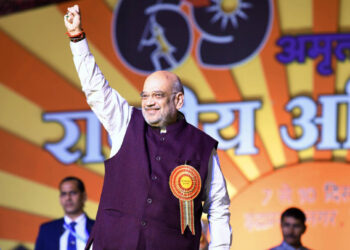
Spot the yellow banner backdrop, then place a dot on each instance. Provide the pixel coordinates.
(269, 79)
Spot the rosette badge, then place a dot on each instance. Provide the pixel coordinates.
(185, 184)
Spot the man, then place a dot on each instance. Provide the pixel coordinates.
(72, 231)
(293, 227)
(161, 168)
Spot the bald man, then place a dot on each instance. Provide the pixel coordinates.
(162, 172)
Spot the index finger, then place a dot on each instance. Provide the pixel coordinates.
(76, 8)
(73, 11)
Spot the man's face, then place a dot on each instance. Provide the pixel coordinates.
(159, 103)
(292, 230)
(71, 198)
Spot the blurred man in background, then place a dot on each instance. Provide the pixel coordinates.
(72, 231)
(293, 227)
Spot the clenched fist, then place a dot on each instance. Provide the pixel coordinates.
(72, 20)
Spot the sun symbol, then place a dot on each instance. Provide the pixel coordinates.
(229, 10)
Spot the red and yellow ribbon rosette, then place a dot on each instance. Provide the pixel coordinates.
(185, 184)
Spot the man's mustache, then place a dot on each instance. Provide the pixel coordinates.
(151, 108)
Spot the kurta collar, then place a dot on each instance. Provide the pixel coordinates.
(172, 127)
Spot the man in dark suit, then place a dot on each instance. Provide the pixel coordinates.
(72, 231)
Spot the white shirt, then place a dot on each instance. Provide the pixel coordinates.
(80, 229)
(114, 113)
(286, 246)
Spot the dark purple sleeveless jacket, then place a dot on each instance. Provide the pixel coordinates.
(137, 208)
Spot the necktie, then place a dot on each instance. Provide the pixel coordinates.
(72, 242)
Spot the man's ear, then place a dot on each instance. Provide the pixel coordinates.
(84, 197)
(179, 100)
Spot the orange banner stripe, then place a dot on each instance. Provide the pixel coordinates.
(222, 84)
(20, 226)
(231, 172)
(44, 86)
(324, 84)
(262, 159)
(45, 169)
(276, 76)
(100, 26)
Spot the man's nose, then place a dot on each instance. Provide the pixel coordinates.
(150, 101)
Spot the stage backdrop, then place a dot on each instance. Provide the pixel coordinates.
(269, 79)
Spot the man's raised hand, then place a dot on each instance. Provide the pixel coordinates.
(72, 20)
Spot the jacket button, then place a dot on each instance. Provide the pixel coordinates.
(162, 139)
(143, 223)
(154, 177)
(158, 158)
(149, 200)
